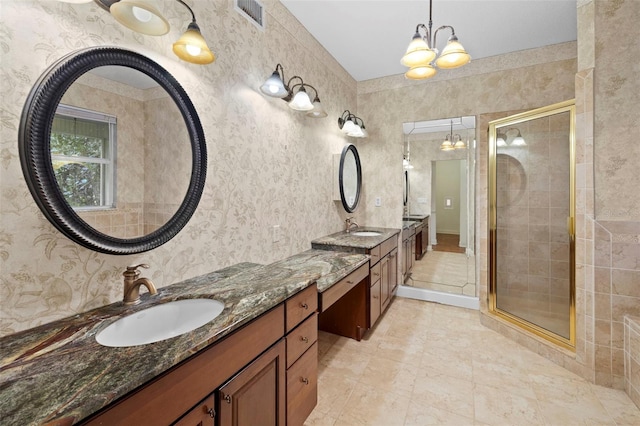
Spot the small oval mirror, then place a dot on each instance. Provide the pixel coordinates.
(350, 178)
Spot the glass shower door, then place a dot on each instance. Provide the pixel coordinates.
(531, 221)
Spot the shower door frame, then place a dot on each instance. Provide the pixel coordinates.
(566, 106)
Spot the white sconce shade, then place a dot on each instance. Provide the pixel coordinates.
(356, 132)
(453, 55)
(501, 140)
(192, 47)
(418, 53)
(317, 111)
(274, 86)
(348, 126)
(447, 145)
(420, 72)
(301, 101)
(518, 140)
(140, 16)
(459, 144)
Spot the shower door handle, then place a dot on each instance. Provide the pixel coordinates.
(571, 227)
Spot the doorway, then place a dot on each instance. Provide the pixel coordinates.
(531, 221)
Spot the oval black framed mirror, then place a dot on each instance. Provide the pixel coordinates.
(405, 195)
(68, 153)
(350, 178)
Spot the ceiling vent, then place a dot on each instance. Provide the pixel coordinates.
(253, 10)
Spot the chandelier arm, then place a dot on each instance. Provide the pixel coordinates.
(427, 32)
(288, 84)
(453, 32)
(314, 90)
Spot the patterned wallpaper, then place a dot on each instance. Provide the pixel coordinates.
(267, 165)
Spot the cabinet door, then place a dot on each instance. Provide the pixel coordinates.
(302, 387)
(384, 283)
(256, 395)
(412, 247)
(374, 299)
(202, 414)
(393, 271)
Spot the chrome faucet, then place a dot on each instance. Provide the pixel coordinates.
(132, 283)
(350, 224)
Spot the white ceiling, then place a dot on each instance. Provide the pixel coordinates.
(368, 37)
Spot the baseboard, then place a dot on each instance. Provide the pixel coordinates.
(438, 297)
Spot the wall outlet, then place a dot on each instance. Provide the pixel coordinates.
(276, 233)
(378, 201)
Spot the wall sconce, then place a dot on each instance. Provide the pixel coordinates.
(422, 51)
(351, 125)
(298, 100)
(141, 16)
(501, 139)
(452, 141)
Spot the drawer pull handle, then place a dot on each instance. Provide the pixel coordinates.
(304, 306)
(304, 339)
(349, 282)
(376, 274)
(375, 297)
(304, 380)
(211, 412)
(228, 399)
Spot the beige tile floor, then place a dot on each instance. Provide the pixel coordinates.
(445, 272)
(430, 364)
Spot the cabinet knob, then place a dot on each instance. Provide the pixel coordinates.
(211, 412)
(304, 306)
(376, 274)
(349, 282)
(304, 339)
(228, 399)
(304, 380)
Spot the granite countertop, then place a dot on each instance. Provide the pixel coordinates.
(331, 265)
(407, 224)
(58, 373)
(415, 217)
(346, 240)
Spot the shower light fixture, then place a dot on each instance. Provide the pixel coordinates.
(351, 125)
(299, 100)
(501, 138)
(422, 51)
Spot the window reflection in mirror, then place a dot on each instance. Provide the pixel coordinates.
(128, 177)
(442, 269)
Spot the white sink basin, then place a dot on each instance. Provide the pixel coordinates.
(366, 233)
(160, 322)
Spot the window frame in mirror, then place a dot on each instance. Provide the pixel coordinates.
(348, 207)
(35, 157)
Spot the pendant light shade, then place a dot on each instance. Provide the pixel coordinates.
(418, 53)
(274, 86)
(301, 101)
(420, 72)
(140, 16)
(453, 55)
(192, 47)
(459, 144)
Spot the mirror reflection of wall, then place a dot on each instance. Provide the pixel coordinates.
(150, 151)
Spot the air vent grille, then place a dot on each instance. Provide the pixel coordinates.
(253, 10)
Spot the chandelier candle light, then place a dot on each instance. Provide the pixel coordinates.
(422, 51)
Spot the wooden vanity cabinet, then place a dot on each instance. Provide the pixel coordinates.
(383, 278)
(247, 378)
(408, 252)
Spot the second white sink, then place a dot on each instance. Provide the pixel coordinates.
(366, 233)
(160, 322)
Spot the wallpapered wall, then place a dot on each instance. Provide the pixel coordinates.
(267, 165)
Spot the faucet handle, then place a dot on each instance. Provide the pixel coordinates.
(132, 270)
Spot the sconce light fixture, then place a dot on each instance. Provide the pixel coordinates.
(452, 141)
(422, 51)
(299, 100)
(192, 47)
(351, 125)
(141, 16)
(501, 138)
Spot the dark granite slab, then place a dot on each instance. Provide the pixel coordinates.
(58, 373)
(347, 241)
(331, 265)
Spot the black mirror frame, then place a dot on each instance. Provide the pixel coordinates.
(352, 148)
(35, 157)
(406, 188)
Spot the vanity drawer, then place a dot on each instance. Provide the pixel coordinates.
(301, 306)
(388, 245)
(302, 387)
(375, 303)
(375, 273)
(342, 287)
(375, 254)
(301, 339)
